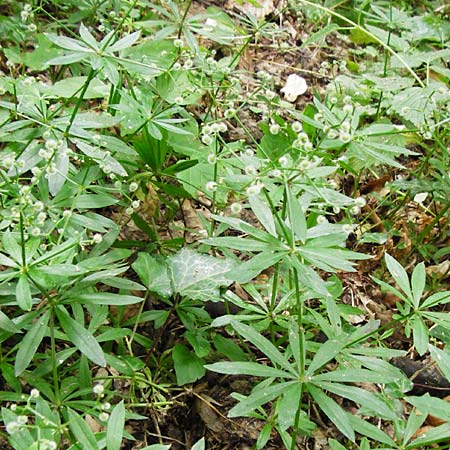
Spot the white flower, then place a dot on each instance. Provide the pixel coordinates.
(135, 204)
(103, 416)
(347, 108)
(51, 144)
(212, 158)
(360, 201)
(178, 43)
(274, 128)
(97, 238)
(283, 161)
(8, 162)
(295, 86)
(236, 208)
(98, 389)
(12, 427)
(347, 228)
(297, 127)
(270, 94)
(211, 186)
(355, 210)
(203, 233)
(22, 420)
(34, 393)
(106, 406)
(133, 187)
(321, 219)
(207, 139)
(420, 198)
(251, 170)
(129, 211)
(254, 189)
(35, 231)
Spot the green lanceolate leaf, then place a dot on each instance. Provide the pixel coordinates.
(333, 411)
(30, 343)
(264, 345)
(399, 274)
(248, 368)
(23, 293)
(116, 423)
(81, 431)
(80, 337)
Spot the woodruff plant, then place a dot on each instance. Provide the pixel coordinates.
(110, 128)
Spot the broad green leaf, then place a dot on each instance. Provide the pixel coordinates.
(154, 274)
(248, 368)
(263, 213)
(23, 293)
(399, 274)
(81, 338)
(116, 424)
(30, 343)
(418, 283)
(196, 275)
(259, 397)
(264, 345)
(333, 411)
(188, 366)
(420, 335)
(81, 431)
